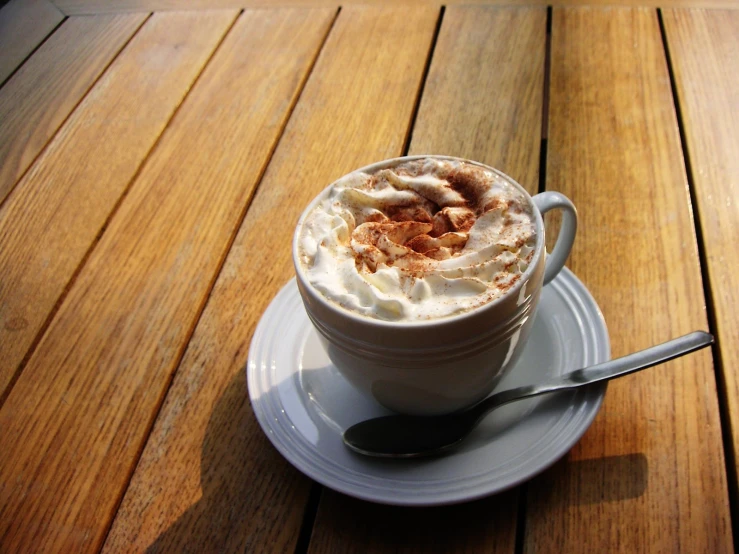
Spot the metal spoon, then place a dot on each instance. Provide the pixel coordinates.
(401, 436)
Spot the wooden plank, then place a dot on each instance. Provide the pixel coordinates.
(231, 491)
(483, 96)
(86, 401)
(703, 48)
(55, 496)
(482, 100)
(39, 97)
(24, 24)
(79, 7)
(649, 475)
(73, 186)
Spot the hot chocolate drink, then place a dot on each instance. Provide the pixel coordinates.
(425, 239)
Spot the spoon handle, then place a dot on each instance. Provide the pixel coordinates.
(602, 372)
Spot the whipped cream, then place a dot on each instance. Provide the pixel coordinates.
(425, 239)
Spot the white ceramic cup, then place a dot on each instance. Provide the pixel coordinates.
(441, 365)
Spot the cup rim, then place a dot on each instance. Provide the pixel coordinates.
(327, 304)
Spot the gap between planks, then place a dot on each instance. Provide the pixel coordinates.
(708, 293)
(24, 26)
(422, 85)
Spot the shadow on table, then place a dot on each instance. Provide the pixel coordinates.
(251, 495)
(620, 477)
(252, 498)
(246, 485)
(592, 481)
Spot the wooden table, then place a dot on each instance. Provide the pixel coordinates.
(154, 164)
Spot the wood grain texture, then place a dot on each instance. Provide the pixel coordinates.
(90, 392)
(106, 6)
(704, 48)
(482, 100)
(483, 95)
(208, 478)
(24, 24)
(45, 90)
(649, 475)
(77, 417)
(73, 186)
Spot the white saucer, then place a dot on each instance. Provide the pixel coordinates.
(304, 404)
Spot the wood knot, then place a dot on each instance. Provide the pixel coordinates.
(16, 324)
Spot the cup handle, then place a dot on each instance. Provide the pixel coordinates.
(550, 200)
